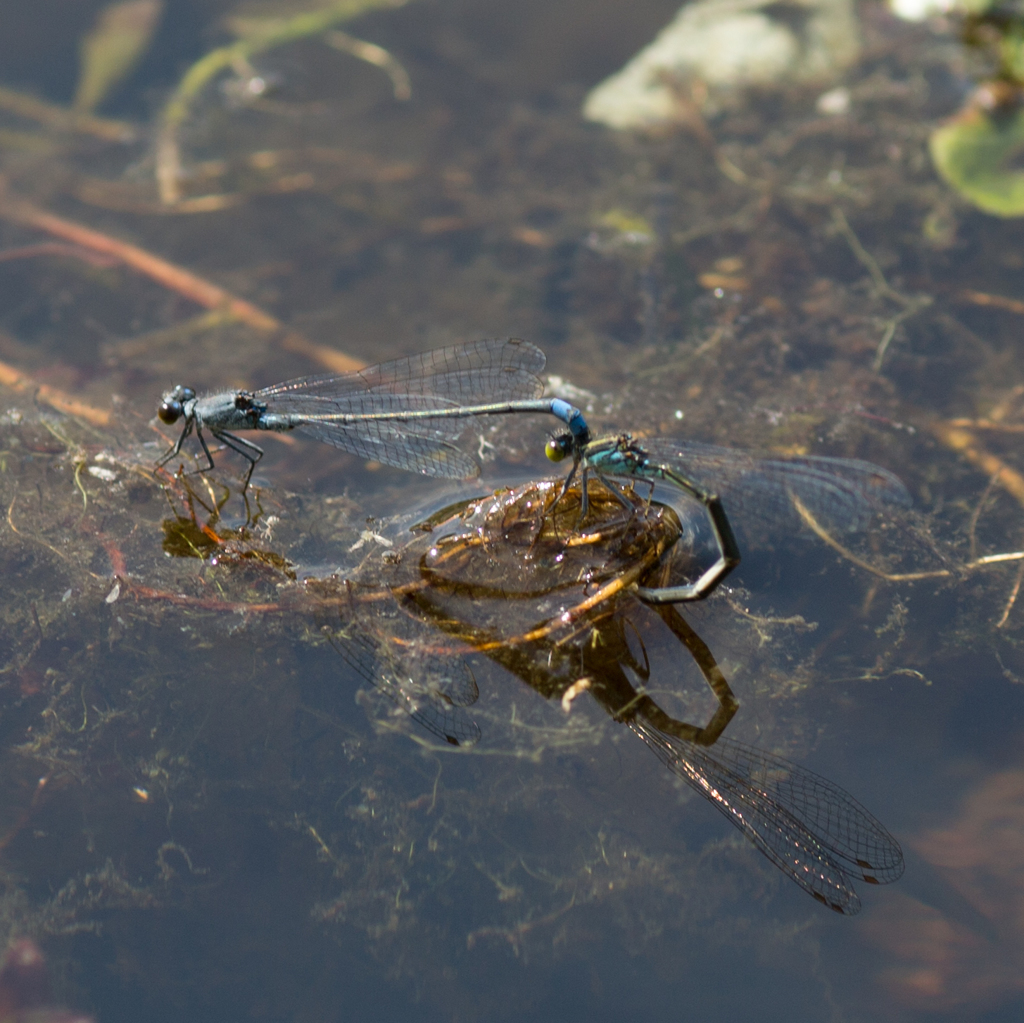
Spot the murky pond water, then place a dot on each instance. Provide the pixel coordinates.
(336, 747)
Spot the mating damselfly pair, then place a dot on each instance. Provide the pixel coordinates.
(410, 412)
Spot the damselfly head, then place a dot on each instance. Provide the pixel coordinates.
(172, 408)
(558, 447)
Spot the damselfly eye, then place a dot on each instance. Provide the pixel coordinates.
(558, 447)
(170, 411)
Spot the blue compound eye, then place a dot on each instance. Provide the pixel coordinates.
(170, 411)
(559, 447)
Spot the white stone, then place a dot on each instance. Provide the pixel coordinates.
(918, 10)
(835, 102)
(727, 44)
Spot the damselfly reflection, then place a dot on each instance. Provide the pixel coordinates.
(489, 570)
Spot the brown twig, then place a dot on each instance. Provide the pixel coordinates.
(201, 603)
(53, 116)
(176, 278)
(965, 443)
(1011, 305)
(986, 424)
(53, 396)
(57, 249)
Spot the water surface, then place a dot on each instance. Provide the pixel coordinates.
(234, 825)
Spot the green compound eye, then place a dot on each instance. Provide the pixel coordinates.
(557, 448)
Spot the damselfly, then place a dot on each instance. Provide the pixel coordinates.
(755, 492)
(405, 413)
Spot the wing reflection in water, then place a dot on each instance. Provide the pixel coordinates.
(433, 697)
(809, 827)
(485, 573)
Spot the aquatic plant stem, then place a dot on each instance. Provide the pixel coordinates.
(239, 54)
(898, 577)
(912, 304)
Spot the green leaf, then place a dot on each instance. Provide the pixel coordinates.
(973, 152)
(109, 52)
